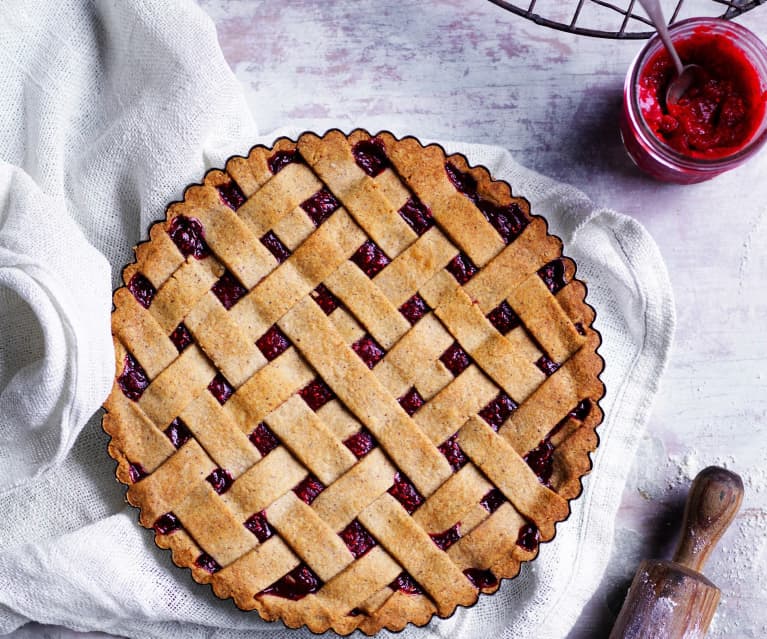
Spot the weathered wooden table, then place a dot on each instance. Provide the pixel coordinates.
(467, 70)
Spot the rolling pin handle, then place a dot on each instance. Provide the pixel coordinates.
(712, 504)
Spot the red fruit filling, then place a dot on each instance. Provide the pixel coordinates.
(546, 365)
(508, 220)
(493, 500)
(178, 433)
(553, 275)
(281, 159)
(142, 289)
(481, 578)
(452, 451)
(136, 472)
(316, 393)
(308, 489)
(498, 411)
(259, 526)
(298, 583)
(228, 290)
(273, 343)
(221, 480)
(448, 537)
(411, 401)
(503, 318)
(406, 584)
(582, 410)
(231, 195)
(541, 458)
(263, 439)
(181, 337)
(414, 309)
(455, 359)
(166, 524)
(541, 461)
(580, 329)
(462, 268)
(370, 156)
(188, 235)
(370, 259)
(462, 181)
(133, 380)
(368, 350)
(325, 299)
(529, 537)
(207, 563)
(221, 389)
(360, 443)
(357, 539)
(405, 493)
(320, 206)
(417, 215)
(275, 246)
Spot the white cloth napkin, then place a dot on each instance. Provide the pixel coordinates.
(107, 110)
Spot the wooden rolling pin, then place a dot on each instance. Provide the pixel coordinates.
(671, 599)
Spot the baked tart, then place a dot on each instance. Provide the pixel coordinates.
(357, 382)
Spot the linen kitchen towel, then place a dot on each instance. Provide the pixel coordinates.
(107, 110)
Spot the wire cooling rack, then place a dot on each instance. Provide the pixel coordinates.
(621, 20)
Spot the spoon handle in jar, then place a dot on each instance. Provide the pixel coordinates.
(655, 13)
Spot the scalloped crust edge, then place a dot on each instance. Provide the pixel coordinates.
(572, 457)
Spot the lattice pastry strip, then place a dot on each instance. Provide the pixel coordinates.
(180, 292)
(356, 383)
(228, 237)
(267, 389)
(223, 342)
(142, 335)
(359, 389)
(508, 471)
(278, 197)
(415, 266)
(171, 482)
(169, 392)
(368, 304)
(207, 519)
(464, 319)
(310, 537)
(303, 271)
(332, 159)
(550, 404)
(224, 442)
(532, 250)
(415, 360)
(340, 502)
(263, 483)
(463, 222)
(414, 550)
(144, 440)
(310, 440)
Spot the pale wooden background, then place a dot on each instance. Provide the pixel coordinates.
(466, 70)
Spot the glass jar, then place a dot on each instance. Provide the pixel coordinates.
(657, 158)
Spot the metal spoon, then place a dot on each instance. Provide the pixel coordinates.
(685, 74)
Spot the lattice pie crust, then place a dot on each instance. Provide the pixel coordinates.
(356, 382)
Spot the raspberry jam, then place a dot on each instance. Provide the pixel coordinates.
(357, 539)
(721, 119)
(259, 526)
(298, 583)
(360, 443)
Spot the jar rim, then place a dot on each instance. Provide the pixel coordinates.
(668, 154)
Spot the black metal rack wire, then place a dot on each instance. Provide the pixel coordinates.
(627, 20)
